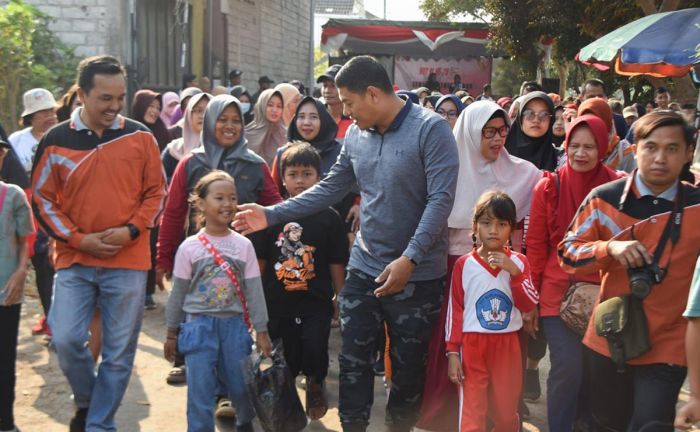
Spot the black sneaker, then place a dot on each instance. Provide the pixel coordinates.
(354, 427)
(532, 391)
(378, 367)
(150, 303)
(245, 427)
(524, 411)
(77, 423)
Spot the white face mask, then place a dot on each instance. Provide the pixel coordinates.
(245, 106)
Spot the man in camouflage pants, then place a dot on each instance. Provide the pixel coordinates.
(405, 161)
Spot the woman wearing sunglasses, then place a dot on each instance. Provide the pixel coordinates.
(531, 137)
(484, 165)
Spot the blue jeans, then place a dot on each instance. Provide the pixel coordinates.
(120, 296)
(214, 347)
(565, 374)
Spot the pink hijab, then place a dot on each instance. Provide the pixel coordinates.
(167, 112)
(190, 140)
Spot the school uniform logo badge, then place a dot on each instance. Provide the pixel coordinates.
(493, 310)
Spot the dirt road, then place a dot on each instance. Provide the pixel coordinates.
(44, 403)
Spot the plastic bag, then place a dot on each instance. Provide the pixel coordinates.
(273, 393)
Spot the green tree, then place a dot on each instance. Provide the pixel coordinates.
(32, 56)
(518, 26)
(320, 62)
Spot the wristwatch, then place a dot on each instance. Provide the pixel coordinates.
(134, 232)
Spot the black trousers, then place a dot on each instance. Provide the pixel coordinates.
(151, 276)
(9, 329)
(642, 398)
(44, 279)
(537, 348)
(305, 342)
(410, 316)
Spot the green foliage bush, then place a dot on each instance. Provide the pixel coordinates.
(31, 55)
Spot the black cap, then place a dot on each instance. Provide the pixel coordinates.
(235, 73)
(264, 79)
(4, 144)
(330, 73)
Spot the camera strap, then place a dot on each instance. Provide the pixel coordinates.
(672, 229)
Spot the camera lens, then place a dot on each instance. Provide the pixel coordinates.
(640, 283)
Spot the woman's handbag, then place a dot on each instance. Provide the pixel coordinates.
(577, 305)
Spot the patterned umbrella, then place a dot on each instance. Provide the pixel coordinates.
(663, 44)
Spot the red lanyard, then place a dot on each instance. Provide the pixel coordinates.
(226, 267)
(2, 197)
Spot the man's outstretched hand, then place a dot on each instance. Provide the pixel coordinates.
(250, 218)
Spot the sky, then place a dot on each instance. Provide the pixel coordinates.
(398, 10)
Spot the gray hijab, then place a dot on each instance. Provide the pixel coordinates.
(264, 138)
(211, 153)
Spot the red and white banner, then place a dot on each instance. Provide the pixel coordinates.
(410, 73)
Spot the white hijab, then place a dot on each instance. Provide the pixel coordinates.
(509, 174)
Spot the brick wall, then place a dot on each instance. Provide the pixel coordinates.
(269, 37)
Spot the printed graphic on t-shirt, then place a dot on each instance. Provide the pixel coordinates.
(215, 288)
(295, 265)
(493, 310)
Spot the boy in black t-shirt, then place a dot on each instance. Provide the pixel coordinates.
(303, 267)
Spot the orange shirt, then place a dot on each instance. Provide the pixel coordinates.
(584, 250)
(85, 184)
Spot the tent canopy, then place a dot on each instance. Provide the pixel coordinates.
(406, 38)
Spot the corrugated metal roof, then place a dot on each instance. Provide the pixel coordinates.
(335, 7)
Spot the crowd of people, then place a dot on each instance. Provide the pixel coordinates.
(454, 239)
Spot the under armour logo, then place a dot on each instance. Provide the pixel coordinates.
(398, 152)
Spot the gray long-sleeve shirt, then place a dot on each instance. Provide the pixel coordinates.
(407, 179)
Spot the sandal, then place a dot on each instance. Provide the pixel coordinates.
(316, 400)
(224, 408)
(177, 375)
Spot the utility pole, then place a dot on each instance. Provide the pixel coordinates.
(312, 57)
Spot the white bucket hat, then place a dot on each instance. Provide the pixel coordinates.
(37, 99)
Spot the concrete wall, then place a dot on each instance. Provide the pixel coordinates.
(270, 37)
(265, 37)
(91, 26)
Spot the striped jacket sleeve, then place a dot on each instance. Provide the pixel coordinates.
(47, 188)
(584, 247)
(153, 187)
(525, 296)
(455, 309)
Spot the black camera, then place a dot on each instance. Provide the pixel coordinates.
(643, 278)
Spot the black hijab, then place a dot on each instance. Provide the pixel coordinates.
(326, 135)
(538, 151)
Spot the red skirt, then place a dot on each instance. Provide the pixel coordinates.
(440, 409)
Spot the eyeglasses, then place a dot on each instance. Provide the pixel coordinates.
(445, 114)
(530, 115)
(490, 132)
